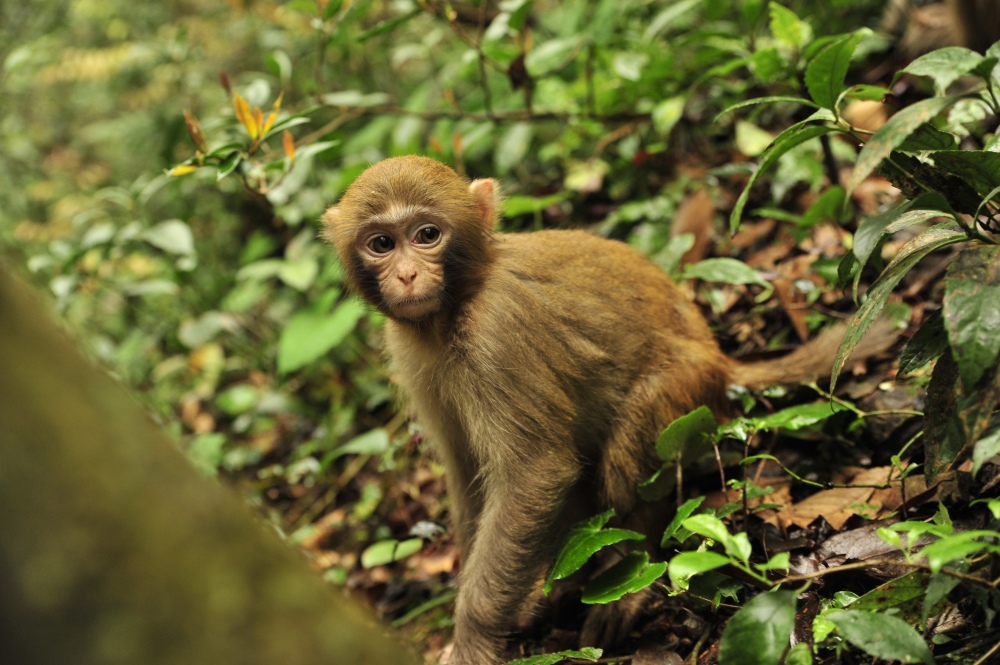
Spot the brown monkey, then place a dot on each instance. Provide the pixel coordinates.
(542, 366)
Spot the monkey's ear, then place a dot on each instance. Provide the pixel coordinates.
(486, 193)
(330, 219)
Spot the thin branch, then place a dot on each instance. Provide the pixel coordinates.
(807, 577)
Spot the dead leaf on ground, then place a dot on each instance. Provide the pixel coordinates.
(656, 657)
(696, 216)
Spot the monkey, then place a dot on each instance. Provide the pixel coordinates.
(542, 367)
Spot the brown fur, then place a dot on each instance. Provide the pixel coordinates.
(543, 373)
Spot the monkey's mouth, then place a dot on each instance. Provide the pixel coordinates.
(415, 308)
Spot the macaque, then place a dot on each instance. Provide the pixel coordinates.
(542, 366)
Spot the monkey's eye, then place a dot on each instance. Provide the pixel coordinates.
(428, 235)
(381, 244)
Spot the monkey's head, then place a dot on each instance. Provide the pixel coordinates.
(413, 236)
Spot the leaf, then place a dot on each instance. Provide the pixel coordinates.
(551, 55)
(633, 573)
(514, 206)
(797, 417)
(388, 25)
(708, 526)
(944, 66)
(909, 255)
(986, 447)
(871, 229)
(687, 564)
(512, 146)
(668, 18)
(892, 135)
(787, 27)
(958, 547)
(728, 271)
(826, 72)
(972, 311)
(172, 236)
(586, 539)
(927, 344)
(206, 451)
(928, 137)
(881, 635)
(788, 139)
(683, 513)
(238, 399)
(388, 551)
(354, 98)
(689, 430)
(585, 653)
(759, 633)
(288, 145)
(828, 206)
(311, 333)
(372, 442)
(667, 113)
(981, 170)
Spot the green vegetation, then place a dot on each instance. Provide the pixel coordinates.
(170, 212)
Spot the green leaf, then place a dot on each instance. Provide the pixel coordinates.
(387, 551)
(759, 633)
(972, 311)
(372, 442)
(633, 573)
(311, 333)
(928, 137)
(708, 526)
(690, 430)
(826, 72)
(765, 100)
(512, 146)
(750, 139)
(957, 547)
(881, 635)
(668, 17)
(944, 66)
(238, 399)
(354, 99)
(687, 564)
(388, 25)
(892, 135)
(980, 170)
(585, 540)
(788, 139)
(172, 236)
(871, 229)
(799, 654)
(868, 93)
(797, 417)
(787, 27)
(897, 592)
(551, 55)
(828, 206)
(927, 344)
(206, 451)
(515, 206)
(667, 113)
(683, 513)
(299, 274)
(728, 271)
(986, 447)
(586, 653)
(909, 255)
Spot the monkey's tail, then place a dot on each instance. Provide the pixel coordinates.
(814, 360)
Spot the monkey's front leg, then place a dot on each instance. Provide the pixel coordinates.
(518, 533)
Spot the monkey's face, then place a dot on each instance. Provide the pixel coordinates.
(404, 255)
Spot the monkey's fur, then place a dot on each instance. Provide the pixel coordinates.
(542, 366)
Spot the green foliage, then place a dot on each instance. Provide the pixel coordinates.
(586, 654)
